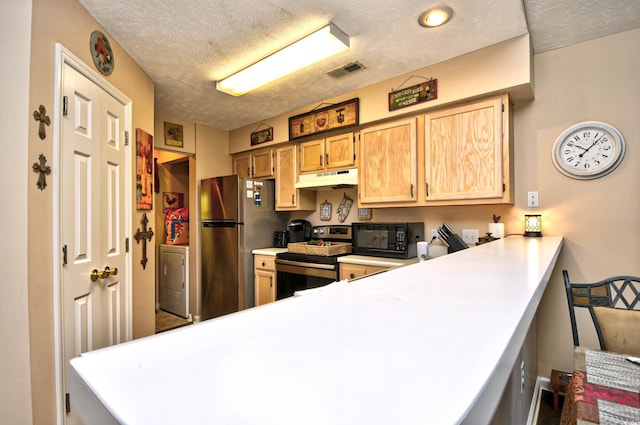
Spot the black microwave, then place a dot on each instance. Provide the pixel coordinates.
(389, 240)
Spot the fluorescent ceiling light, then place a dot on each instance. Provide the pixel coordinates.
(319, 45)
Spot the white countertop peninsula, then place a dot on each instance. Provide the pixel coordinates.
(429, 343)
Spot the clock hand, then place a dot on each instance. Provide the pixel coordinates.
(592, 145)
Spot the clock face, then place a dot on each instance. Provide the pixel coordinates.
(588, 150)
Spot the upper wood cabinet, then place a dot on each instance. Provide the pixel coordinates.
(467, 153)
(388, 163)
(329, 153)
(258, 164)
(288, 198)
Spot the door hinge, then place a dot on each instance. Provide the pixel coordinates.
(126, 245)
(65, 105)
(67, 403)
(126, 138)
(64, 255)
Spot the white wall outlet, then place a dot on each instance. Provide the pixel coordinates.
(470, 236)
(434, 233)
(522, 377)
(532, 199)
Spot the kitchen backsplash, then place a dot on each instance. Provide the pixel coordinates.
(457, 217)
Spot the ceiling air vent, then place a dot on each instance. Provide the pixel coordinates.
(346, 69)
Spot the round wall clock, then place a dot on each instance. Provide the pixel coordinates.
(101, 52)
(588, 150)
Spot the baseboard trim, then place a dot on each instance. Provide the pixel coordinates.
(542, 383)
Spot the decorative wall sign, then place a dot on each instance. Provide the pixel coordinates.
(173, 135)
(41, 116)
(413, 95)
(172, 201)
(44, 170)
(261, 136)
(344, 208)
(144, 170)
(341, 115)
(143, 236)
(101, 52)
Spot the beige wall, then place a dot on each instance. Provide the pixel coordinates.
(15, 389)
(67, 22)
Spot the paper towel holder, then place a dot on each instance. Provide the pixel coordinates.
(533, 225)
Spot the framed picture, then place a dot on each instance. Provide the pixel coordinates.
(172, 201)
(173, 135)
(144, 170)
(340, 115)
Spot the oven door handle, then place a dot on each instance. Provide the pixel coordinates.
(304, 264)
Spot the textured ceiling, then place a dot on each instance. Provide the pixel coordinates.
(184, 46)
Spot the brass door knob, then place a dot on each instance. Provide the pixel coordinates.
(96, 274)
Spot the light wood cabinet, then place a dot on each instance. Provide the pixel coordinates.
(288, 198)
(330, 153)
(352, 271)
(388, 163)
(258, 164)
(467, 153)
(265, 278)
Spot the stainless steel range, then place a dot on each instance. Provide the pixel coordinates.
(297, 272)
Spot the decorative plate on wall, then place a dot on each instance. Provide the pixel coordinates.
(101, 52)
(325, 211)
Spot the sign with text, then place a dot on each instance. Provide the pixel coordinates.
(413, 95)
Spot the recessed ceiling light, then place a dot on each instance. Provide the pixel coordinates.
(435, 17)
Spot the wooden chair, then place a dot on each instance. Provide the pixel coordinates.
(614, 305)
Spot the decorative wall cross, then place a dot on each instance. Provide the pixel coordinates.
(43, 169)
(42, 117)
(144, 235)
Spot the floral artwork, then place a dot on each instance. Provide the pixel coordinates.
(144, 170)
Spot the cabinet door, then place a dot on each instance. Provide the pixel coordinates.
(262, 162)
(265, 286)
(265, 279)
(339, 151)
(388, 163)
(312, 155)
(352, 271)
(287, 196)
(242, 165)
(464, 152)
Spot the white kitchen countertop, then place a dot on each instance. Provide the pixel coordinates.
(268, 251)
(376, 261)
(429, 343)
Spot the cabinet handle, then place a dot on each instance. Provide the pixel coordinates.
(426, 190)
(351, 276)
(411, 191)
(293, 199)
(326, 159)
(248, 171)
(263, 264)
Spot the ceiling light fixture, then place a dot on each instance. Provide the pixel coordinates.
(435, 17)
(321, 44)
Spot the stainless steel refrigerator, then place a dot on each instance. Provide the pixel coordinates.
(237, 215)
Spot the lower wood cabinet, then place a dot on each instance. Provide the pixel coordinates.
(265, 278)
(352, 271)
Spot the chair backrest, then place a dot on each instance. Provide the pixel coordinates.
(614, 305)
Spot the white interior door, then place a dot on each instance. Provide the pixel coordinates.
(93, 204)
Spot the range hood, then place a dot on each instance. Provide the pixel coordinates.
(328, 180)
